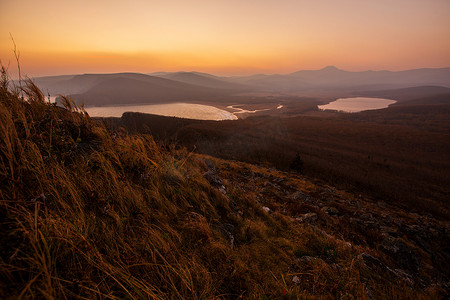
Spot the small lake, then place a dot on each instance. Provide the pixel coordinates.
(357, 104)
(180, 110)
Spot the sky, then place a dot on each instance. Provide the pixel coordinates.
(233, 37)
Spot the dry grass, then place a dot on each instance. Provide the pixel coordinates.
(401, 154)
(89, 214)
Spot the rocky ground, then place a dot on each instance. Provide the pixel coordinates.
(388, 242)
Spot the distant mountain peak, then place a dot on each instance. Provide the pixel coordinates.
(330, 68)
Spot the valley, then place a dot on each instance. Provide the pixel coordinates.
(400, 153)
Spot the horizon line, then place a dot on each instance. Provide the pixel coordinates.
(218, 75)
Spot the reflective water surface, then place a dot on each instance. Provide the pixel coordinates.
(357, 104)
(181, 110)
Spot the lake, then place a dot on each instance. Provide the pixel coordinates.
(180, 110)
(357, 104)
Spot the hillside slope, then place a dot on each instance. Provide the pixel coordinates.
(135, 88)
(413, 95)
(205, 80)
(86, 213)
(401, 153)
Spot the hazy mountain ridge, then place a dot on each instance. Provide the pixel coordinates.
(201, 87)
(74, 84)
(332, 77)
(206, 80)
(145, 90)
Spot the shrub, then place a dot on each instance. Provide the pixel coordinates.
(297, 163)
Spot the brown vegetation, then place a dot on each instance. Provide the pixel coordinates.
(401, 155)
(86, 213)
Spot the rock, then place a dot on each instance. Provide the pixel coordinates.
(420, 236)
(332, 211)
(374, 263)
(296, 280)
(310, 259)
(405, 276)
(105, 210)
(222, 189)
(308, 218)
(299, 195)
(266, 209)
(228, 231)
(213, 179)
(402, 253)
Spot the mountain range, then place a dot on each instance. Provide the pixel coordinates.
(134, 88)
(331, 78)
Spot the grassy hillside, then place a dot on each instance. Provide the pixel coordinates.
(88, 213)
(401, 153)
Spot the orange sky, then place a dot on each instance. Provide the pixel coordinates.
(223, 37)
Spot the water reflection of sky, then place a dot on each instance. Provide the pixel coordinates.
(181, 110)
(357, 104)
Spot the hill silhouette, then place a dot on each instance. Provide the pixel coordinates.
(334, 78)
(144, 89)
(132, 88)
(206, 80)
(136, 88)
(417, 95)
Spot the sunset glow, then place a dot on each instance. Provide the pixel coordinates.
(223, 37)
